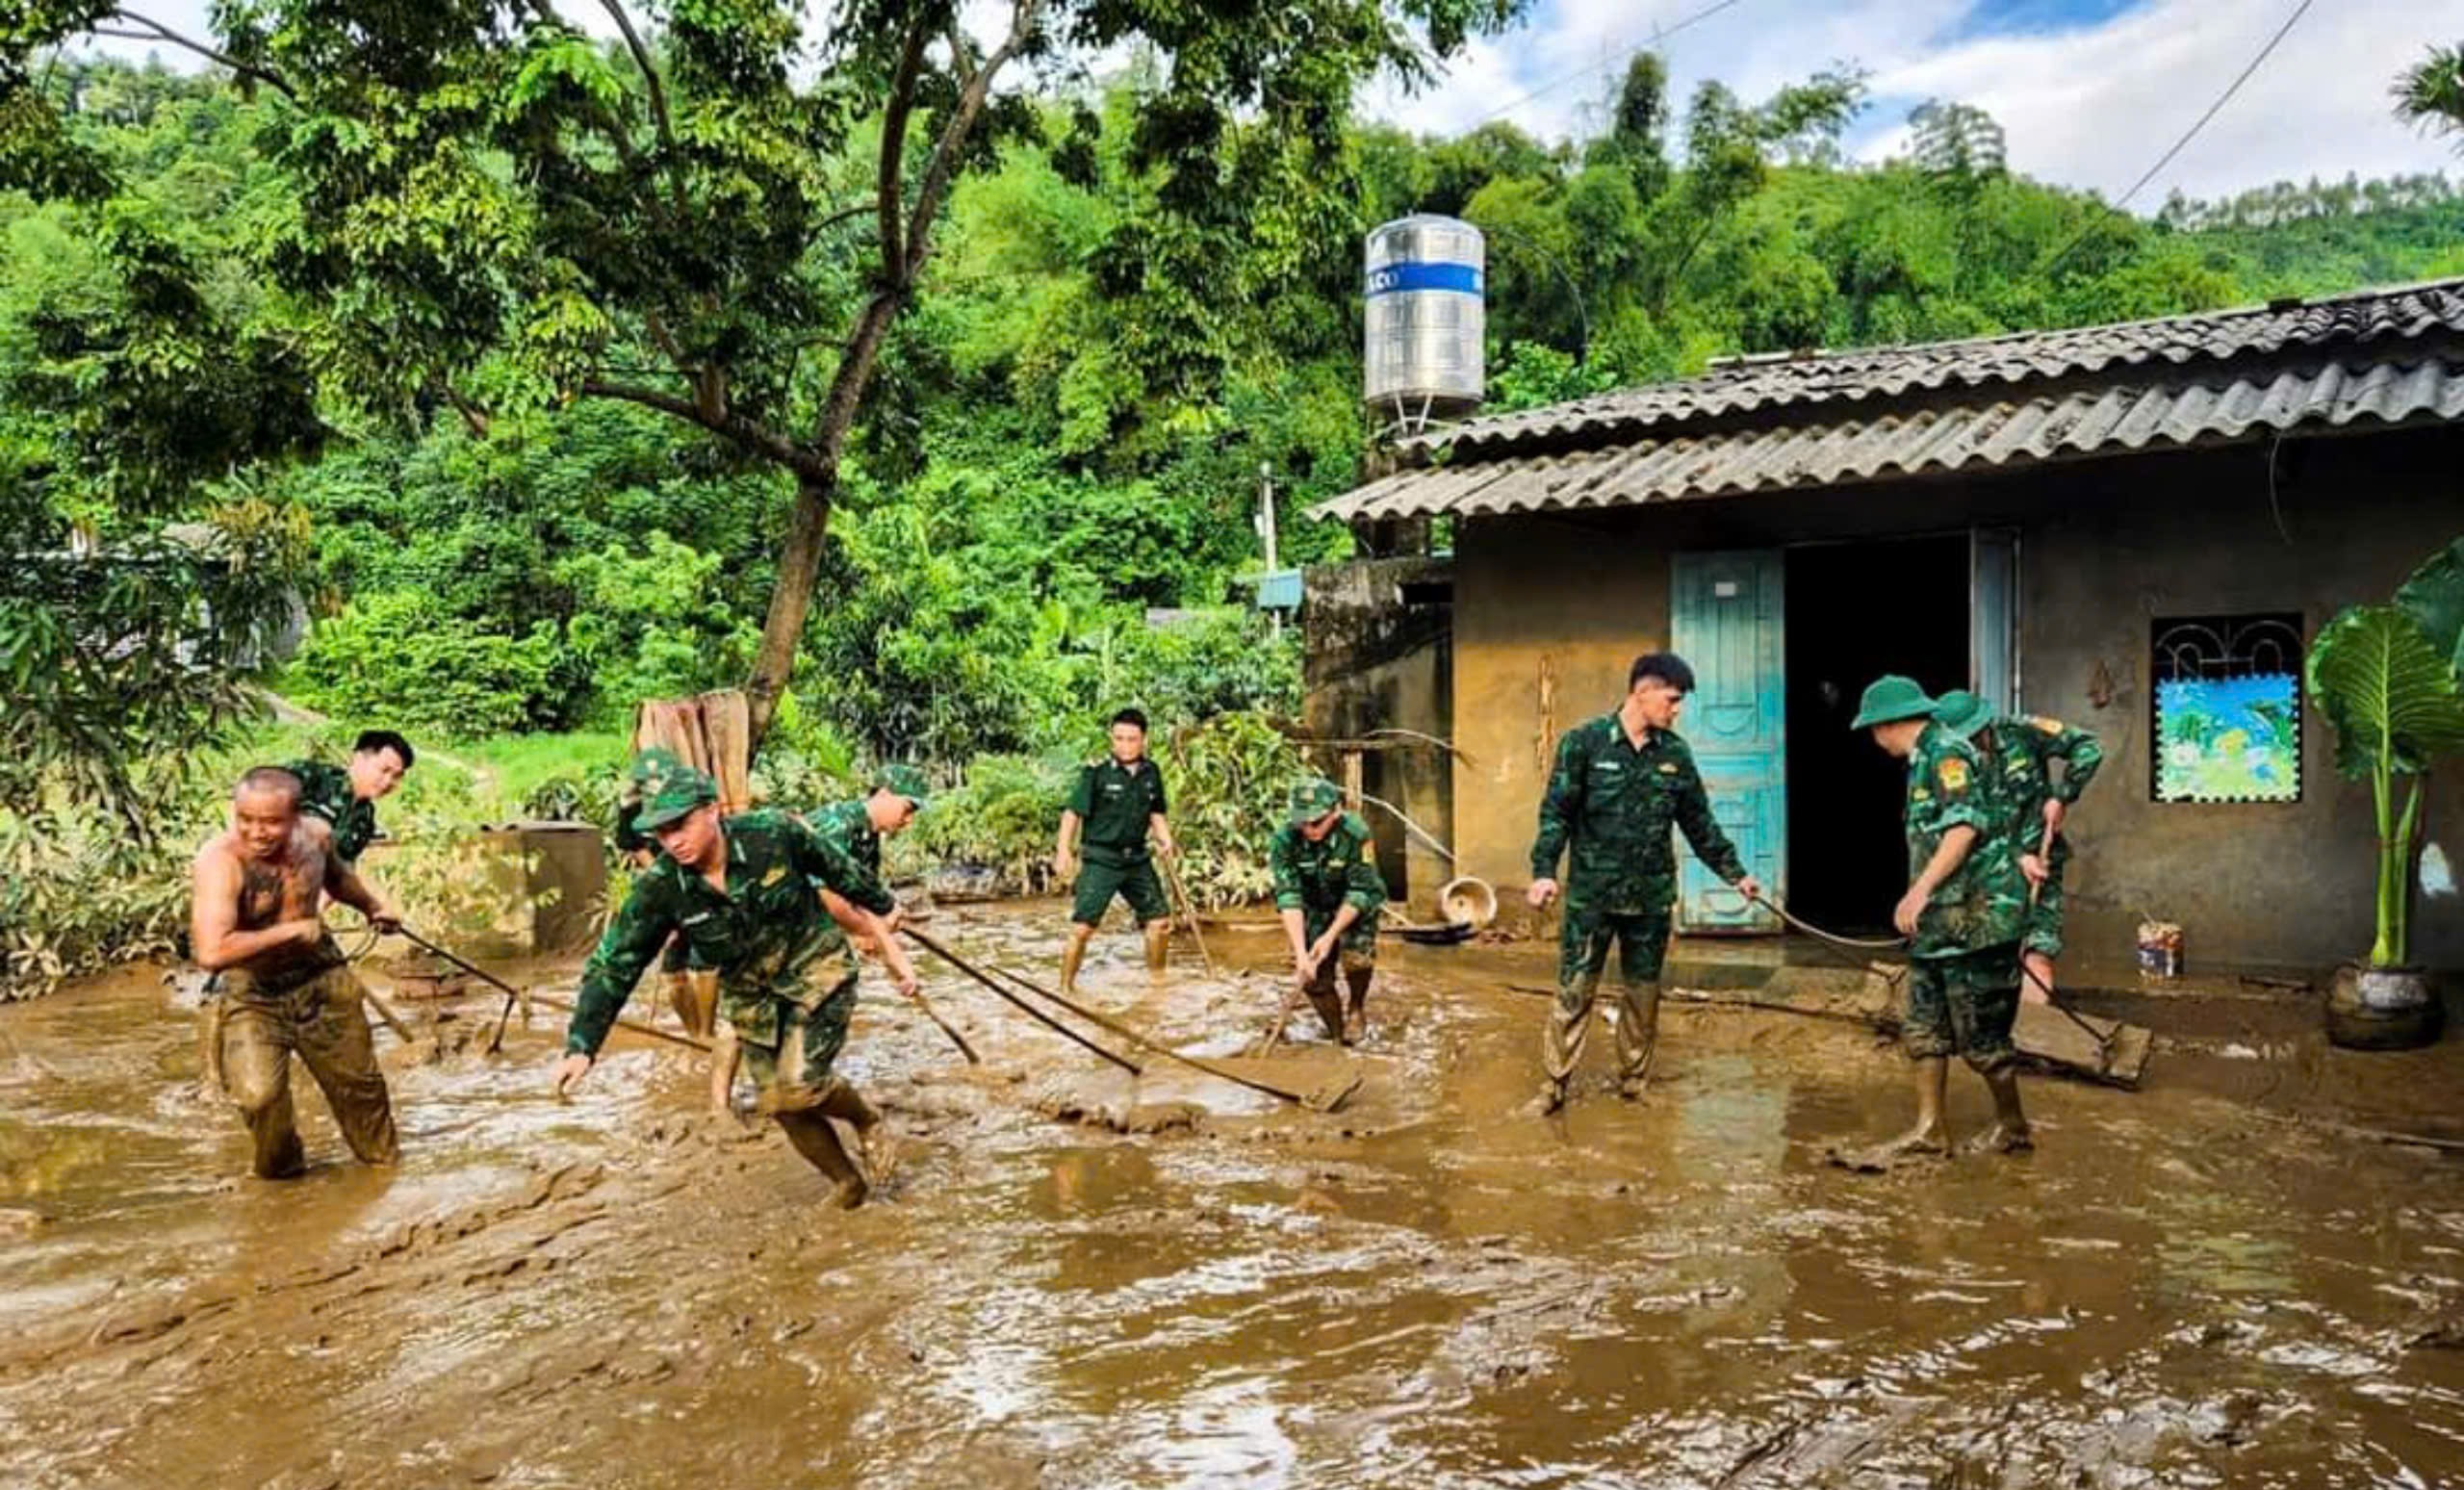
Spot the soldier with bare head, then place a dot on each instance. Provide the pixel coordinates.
(286, 987)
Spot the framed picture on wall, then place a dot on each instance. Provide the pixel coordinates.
(2226, 707)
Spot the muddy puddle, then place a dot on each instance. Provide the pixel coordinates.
(2183, 1287)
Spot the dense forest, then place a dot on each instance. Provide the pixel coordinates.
(1045, 508)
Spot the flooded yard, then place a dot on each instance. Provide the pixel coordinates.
(2183, 1286)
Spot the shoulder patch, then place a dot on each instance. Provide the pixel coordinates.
(2048, 726)
(1668, 768)
(1952, 773)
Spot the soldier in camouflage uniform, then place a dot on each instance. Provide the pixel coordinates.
(1327, 893)
(345, 796)
(1620, 781)
(1118, 801)
(2019, 755)
(1966, 906)
(692, 990)
(857, 825)
(739, 890)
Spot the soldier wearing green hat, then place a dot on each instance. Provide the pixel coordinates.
(1327, 891)
(692, 992)
(1963, 912)
(739, 892)
(858, 825)
(1621, 782)
(2018, 754)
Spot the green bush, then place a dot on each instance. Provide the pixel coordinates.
(390, 659)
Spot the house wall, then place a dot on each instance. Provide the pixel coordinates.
(1377, 657)
(1549, 609)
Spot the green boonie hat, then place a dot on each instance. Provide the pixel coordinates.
(1890, 698)
(656, 766)
(1963, 712)
(1314, 798)
(904, 780)
(670, 793)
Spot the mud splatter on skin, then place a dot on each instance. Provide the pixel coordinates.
(1420, 1290)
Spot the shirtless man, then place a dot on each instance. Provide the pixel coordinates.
(285, 985)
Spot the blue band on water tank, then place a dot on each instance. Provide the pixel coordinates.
(1402, 279)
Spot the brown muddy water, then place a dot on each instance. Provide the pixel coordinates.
(2181, 1287)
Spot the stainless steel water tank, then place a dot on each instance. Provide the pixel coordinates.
(1426, 318)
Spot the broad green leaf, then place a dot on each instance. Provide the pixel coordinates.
(2434, 597)
(2386, 691)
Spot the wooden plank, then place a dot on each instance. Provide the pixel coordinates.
(2046, 1034)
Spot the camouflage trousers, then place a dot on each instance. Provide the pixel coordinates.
(1964, 1004)
(1583, 941)
(1355, 957)
(261, 1023)
(794, 1073)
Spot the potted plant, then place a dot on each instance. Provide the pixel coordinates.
(2387, 678)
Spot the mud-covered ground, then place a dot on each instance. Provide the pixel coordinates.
(2189, 1285)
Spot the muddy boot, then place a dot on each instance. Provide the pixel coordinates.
(818, 1142)
(1071, 955)
(841, 1100)
(1329, 1005)
(1159, 941)
(1561, 1043)
(2010, 1134)
(1637, 1037)
(1356, 1017)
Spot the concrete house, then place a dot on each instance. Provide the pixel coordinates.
(2137, 529)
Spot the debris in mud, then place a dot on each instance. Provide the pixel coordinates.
(15, 1221)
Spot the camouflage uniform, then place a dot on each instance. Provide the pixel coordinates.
(1964, 968)
(787, 976)
(2022, 750)
(312, 1010)
(650, 768)
(325, 790)
(1320, 879)
(1617, 805)
(1113, 803)
(848, 826)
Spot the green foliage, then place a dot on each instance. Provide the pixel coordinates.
(2394, 694)
(388, 656)
(1231, 777)
(2430, 93)
(1002, 817)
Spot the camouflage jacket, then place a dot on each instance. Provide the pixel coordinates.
(2023, 750)
(325, 790)
(1616, 803)
(1322, 877)
(1985, 901)
(849, 825)
(766, 933)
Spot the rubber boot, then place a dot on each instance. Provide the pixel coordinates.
(1159, 940)
(1072, 953)
(1637, 1037)
(818, 1142)
(1329, 1005)
(1562, 1043)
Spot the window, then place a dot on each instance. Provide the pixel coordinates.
(2226, 709)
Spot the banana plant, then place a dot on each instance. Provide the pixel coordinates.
(2387, 678)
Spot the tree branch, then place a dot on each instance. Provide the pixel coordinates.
(156, 31)
(956, 132)
(892, 172)
(659, 100)
(745, 433)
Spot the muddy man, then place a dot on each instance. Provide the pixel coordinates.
(1964, 912)
(739, 892)
(1119, 802)
(1620, 781)
(1327, 893)
(285, 985)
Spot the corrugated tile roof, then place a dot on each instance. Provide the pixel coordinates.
(2388, 355)
(2124, 416)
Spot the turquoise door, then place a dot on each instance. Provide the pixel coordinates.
(1726, 619)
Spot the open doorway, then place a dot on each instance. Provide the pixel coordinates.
(1856, 611)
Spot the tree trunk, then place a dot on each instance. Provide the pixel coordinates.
(790, 600)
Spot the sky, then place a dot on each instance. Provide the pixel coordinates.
(2089, 93)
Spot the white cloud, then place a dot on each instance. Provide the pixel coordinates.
(2090, 107)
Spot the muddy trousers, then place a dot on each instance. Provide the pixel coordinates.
(321, 1021)
(1642, 943)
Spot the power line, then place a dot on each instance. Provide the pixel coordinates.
(1553, 84)
(2191, 134)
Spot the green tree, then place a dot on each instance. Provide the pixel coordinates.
(2430, 93)
(723, 221)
